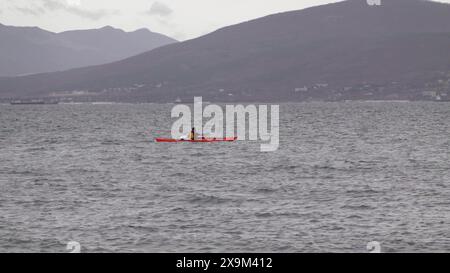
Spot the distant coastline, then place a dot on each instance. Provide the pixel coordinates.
(32, 102)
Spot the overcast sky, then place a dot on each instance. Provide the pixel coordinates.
(181, 19)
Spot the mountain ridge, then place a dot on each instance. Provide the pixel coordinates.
(346, 50)
(31, 50)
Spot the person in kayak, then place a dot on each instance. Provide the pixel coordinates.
(193, 135)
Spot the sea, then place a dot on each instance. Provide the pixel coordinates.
(346, 174)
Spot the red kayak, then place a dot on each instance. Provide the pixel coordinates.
(202, 140)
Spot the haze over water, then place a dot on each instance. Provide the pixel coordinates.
(345, 174)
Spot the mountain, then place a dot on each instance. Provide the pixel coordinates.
(346, 50)
(27, 50)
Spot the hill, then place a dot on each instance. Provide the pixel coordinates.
(31, 50)
(341, 51)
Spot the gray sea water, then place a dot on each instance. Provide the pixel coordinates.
(346, 174)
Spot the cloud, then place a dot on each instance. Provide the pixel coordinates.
(160, 9)
(35, 11)
(54, 5)
(73, 2)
